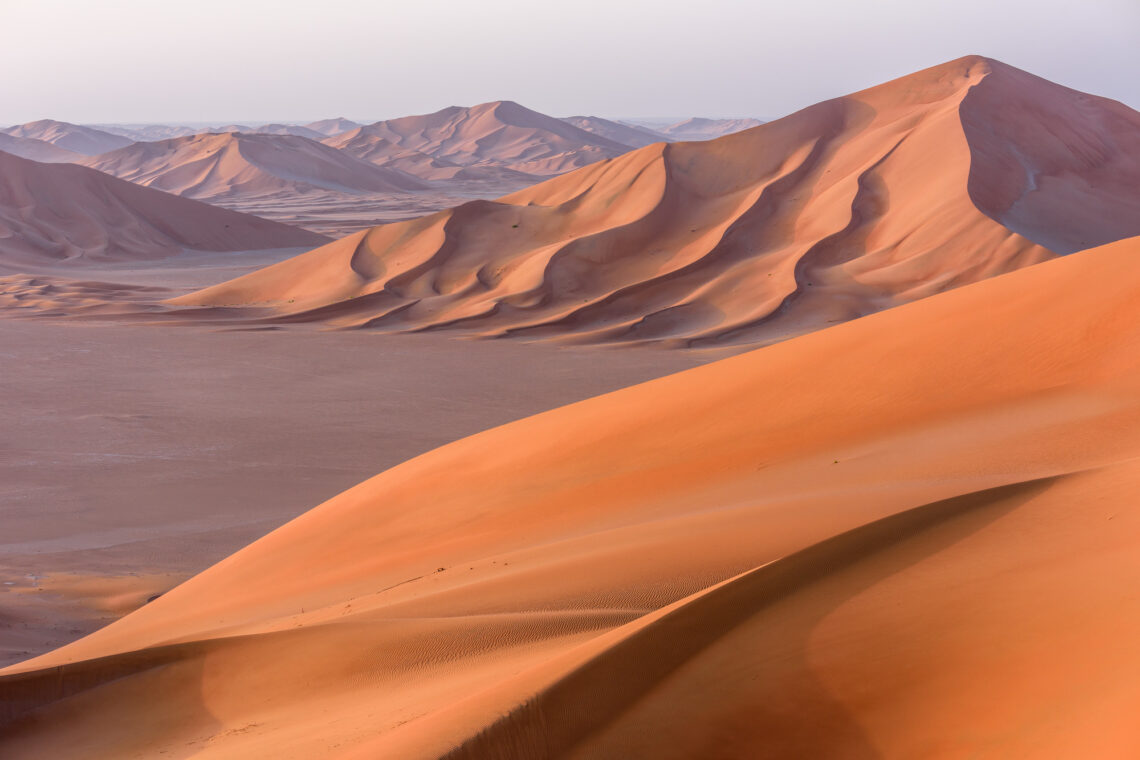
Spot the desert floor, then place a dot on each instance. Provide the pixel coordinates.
(133, 456)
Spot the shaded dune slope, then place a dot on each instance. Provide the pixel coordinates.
(843, 209)
(228, 165)
(907, 536)
(53, 212)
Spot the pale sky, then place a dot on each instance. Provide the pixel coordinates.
(254, 61)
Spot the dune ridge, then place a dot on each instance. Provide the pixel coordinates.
(36, 150)
(843, 209)
(86, 141)
(60, 212)
(498, 135)
(215, 166)
(817, 548)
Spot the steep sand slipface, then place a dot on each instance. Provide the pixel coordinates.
(702, 545)
(55, 212)
(843, 209)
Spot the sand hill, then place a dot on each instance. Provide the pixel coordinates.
(698, 128)
(331, 127)
(851, 544)
(52, 212)
(148, 132)
(502, 135)
(36, 150)
(73, 137)
(222, 165)
(933, 181)
(627, 134)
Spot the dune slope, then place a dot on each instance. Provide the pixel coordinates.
(843, 209)
(227, 165)
(912, 535)
(53, 212)
(498, 135)
(698, 128)
(36, 150)
(87, 141)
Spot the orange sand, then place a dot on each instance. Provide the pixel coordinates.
(851, 206)
(906, 536)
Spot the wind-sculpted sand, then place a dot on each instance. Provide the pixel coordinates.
(60, 213)
(850, 544)
(858, 204)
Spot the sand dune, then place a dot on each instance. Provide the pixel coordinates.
(73, 137)
(851, 544)
(216, 166)
(698, 128)
(56, 212)
(848, 207)
(331, 127)
(501, 134)
(36, 150)
(627, 134)
(147, 132)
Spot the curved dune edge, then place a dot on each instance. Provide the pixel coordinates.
(53, 213)
(529, 571)
(851, 206)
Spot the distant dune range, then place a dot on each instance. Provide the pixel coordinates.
(502, 134)
(390, 170)
(86, 141)
(216, 165)
(850, 544)
(60, 212)
(936, 180)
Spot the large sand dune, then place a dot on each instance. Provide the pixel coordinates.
(627, 134)
(908, 536)
(215, 166)
(501, 135)
(56, 212)
(36, 150)
(87, 141)
(698, 128)
(933, 181)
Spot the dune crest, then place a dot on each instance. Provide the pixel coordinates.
(845, 208)
(501, 135)
(86, 141)
(818, 548)
(220, 165)
(57, 212)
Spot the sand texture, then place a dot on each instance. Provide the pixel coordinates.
(858, 204)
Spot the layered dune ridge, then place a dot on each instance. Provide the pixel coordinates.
(698, 128)
(36, 150)
(924, 184)
(57, 212)
(501, 135)
(907, 536)
(86, 141)
(217, 166)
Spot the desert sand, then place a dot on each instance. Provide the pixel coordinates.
(86, 141)
(60, 212)
(851, 206)
(698, 128)
(900, 528)
(37, 150)
(849, 544)
(501, 134)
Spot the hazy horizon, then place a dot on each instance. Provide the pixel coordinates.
(127, 61)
